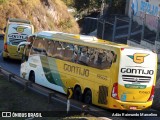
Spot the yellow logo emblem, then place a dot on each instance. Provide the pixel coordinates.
(138, 57)
(20, 29)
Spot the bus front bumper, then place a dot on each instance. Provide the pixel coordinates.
(117, 104)
(12, 56)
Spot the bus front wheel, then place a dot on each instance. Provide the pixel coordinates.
(88, 97)
(77, 94)
(32, 77)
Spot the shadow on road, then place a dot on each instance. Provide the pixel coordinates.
(12, 61)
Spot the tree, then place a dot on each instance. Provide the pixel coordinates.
(81, 4)
(114, 6)
(69, 3)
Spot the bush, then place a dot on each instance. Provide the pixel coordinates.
(2, 1)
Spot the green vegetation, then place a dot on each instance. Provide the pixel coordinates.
(2, 1)
(44, 14)
(96, 4)
(88, 6)
(14, 98)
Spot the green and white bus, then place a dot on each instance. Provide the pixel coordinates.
(16, 31)
(100, 72)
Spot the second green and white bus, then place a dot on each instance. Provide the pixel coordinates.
(17, 30)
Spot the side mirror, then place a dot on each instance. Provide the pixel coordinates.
(19, 47)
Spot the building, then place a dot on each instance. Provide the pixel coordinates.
(148, 9)
(146, 12)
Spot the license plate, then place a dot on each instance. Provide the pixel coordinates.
(133, 107)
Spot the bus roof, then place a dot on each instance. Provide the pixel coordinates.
(80, 39)
(18, 20)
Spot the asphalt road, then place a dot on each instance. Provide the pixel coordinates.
(11, 65)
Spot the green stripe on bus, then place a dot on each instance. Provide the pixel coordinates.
(46, 69)
(54, 71)
(51, 71)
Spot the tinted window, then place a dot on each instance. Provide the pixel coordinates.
(39, 47)
(97, 58)
(93, 57)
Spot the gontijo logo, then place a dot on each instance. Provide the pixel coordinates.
(138, 57)
(19, 29)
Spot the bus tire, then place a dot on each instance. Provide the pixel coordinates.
(32, 77)
(77, 93)
(5, 59)
(88, 97)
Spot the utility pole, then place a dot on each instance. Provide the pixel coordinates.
(102, 8)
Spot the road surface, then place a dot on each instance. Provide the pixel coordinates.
(11, 65)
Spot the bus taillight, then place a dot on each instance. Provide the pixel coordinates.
(5, 47)
(122, 49)
(115, 91)
(152, 94)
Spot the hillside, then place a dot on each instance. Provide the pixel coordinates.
(44, 14)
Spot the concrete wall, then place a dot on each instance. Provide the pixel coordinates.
(151, 8)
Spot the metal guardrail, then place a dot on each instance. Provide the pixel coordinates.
(89, 25)
(53, 95)
(81, 107)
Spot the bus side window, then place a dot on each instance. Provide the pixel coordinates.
(34, 47)
(101, 59)
(75, 54)
(105, 63)
(91, 57)
(42, 47)
(110, 58)
(68, 52)
(83, 58)
(26, 53)
(51, 48)
(114, 57)
(58, 50)
(39, 47)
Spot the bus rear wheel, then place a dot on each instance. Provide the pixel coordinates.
(77, 94)
(88, 97)
(32, 77)
(5, 59)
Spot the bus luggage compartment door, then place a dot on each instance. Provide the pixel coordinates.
(103, 93)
